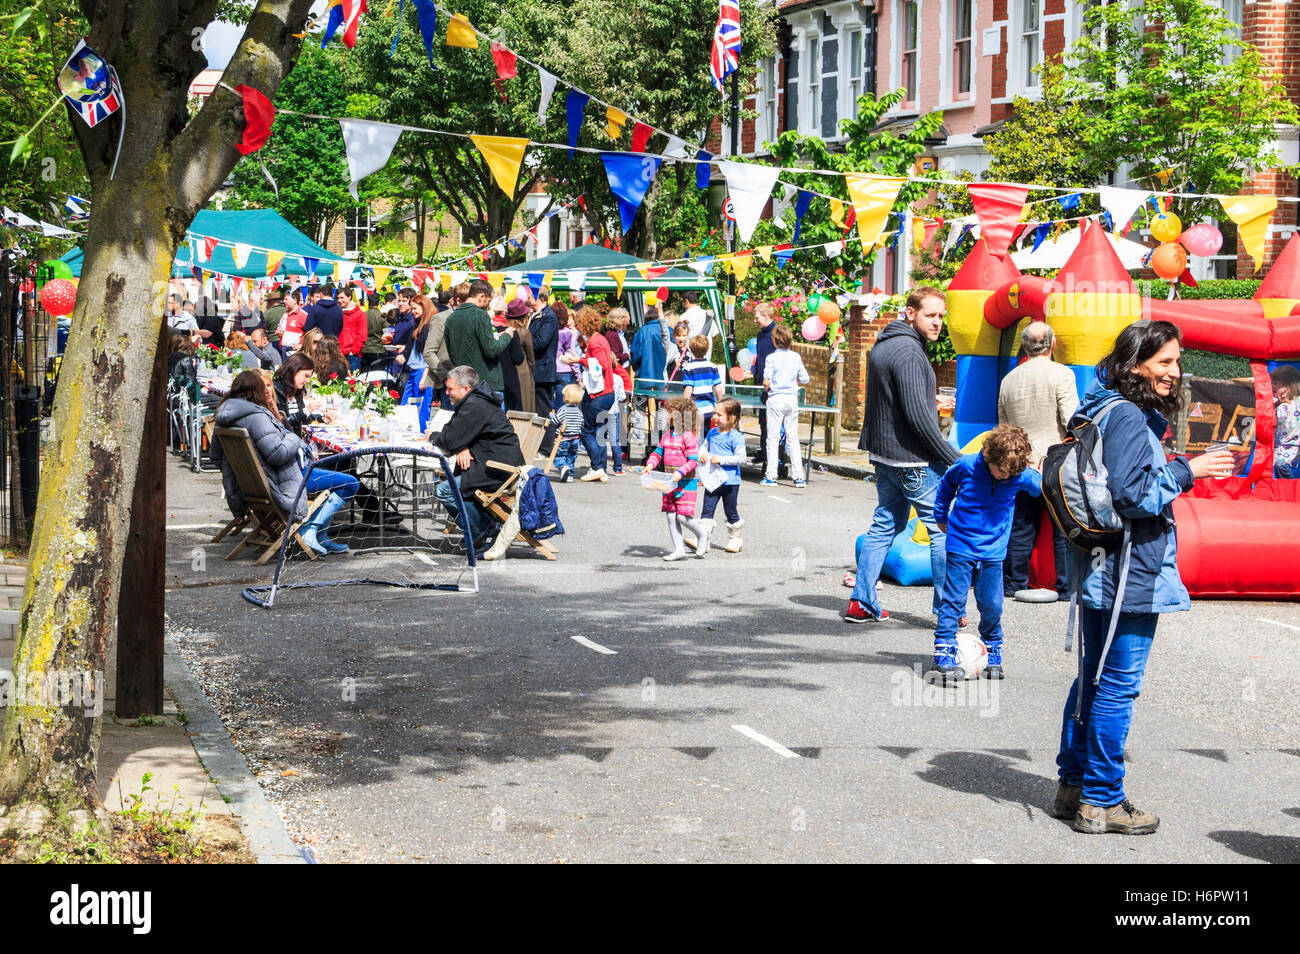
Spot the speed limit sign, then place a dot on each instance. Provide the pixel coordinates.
(729, 210)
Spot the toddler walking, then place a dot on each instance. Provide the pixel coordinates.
(725, 447)
(678, 451)
(567, 419)
(981, 490)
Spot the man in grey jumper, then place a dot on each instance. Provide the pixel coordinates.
(908, 451)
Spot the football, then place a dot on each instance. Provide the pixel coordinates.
(972, 654)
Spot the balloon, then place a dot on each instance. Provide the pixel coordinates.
(746, 358)
(813, 328)
(59, 268)
(752, 345)
(1168, 261)
(1166, 227)
(828, 313)
(1202, 239)
(738, 374)
(814, 302)
(58, 297)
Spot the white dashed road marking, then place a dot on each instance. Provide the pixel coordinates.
(596, 646)
(761, 739)
(1276, 623)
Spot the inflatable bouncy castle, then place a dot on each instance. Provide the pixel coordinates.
(1236, 536)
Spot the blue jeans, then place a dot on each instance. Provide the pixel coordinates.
(595, 417)
(1092, 752)
(413, 395)
(354, 361)
(897, 489)
(567, 455)
(477, 519)
(615, 435)
(322, 479)
(957, 576)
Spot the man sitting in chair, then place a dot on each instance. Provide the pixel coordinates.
(478, 432)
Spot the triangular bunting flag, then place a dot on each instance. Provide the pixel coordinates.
(574, 104)
(676, 148)
(873, 198)
(749, 187)
(997, 207)
(209, 246)
(837, 212)
(615, 119)
(833, 248)
(503, 155)
(548, 90)
(1122, 203)
(740, 264)
(1251, 213)
(460, 33)
(629, 177)
(504, 58)
(619, 275)
(309, 265)
(343, 272)
(380, 274)
(765, 252)
(702, 169)
(259, 114)
(368, 145)
(641, 136)
(428, 16)
(240, 252)
(273, 260)
(577, 279)
(496, 280)
(801, 205)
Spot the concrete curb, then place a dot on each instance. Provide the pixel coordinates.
(852, 471)
(267, 837)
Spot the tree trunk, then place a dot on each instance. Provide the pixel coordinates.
(419, 230)
(169, 166)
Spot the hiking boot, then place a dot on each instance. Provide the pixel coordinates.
(993, 668)
(1066, 804)
(946, 667)
(857, 613)
(1123, 819)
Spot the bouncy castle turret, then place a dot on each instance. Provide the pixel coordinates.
(980, 366)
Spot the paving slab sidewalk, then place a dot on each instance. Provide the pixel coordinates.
(186, 751)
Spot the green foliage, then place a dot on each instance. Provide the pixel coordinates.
(1208, 289)
(304, 156)
(386, 251)
(1159, 96)
(885, 153)
(1204, 364)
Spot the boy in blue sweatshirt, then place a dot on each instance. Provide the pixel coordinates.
(974, 506)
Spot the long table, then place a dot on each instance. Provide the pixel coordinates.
(749, 396)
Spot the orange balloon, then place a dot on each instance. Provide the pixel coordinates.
(828, 312)
(1168, 261)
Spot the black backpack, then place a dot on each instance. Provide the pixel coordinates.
(1075, 491)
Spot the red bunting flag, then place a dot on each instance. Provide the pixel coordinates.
(258, 116)
(506, 66)
(997, 206)
(209, 246)
(930, 229)
(641, 136)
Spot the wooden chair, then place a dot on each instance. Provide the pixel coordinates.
(503, 502)
(266, 519)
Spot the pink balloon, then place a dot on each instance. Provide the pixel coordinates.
(1202, 239)
(813, 328)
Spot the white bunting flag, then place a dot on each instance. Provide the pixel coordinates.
(676, 148)
(548, 90)
(577, 279)
(1122, 203)
(368, 145)
(458, 277)
(749, 187)
(833, 248)
(241, 253)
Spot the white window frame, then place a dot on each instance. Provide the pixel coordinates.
(766, 100)
(460, 235)
(913, 90)
(1024, 80)
(811, 118)
(351, 247)
(1235, 10)
(952, 40)
(855, 80)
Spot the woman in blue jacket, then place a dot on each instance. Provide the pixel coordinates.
(1141, 377)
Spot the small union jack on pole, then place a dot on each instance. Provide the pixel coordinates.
(724, 58)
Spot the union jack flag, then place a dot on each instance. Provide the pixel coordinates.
(724, 58)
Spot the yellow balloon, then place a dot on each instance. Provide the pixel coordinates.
(1166, 227)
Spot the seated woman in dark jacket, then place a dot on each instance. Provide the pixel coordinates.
(249, 404)
(291, 380)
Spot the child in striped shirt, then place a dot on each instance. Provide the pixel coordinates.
(568, 418)
(678, 451)
(702, 380)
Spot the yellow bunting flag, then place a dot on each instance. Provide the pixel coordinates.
(503, 155)
(837, 212)
(873, 198)
(444, 280)
(765, 252)
(644, 269)
(615, 119)
(460, 33)
(546, 279)
(619, 275)
(740, 266)
(1251, 213)
(509, 293)
(273, 260)
(496, 280)
(381, 273)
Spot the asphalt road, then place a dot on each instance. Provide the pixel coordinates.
(732, 717)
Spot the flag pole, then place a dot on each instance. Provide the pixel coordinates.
(730, 305)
